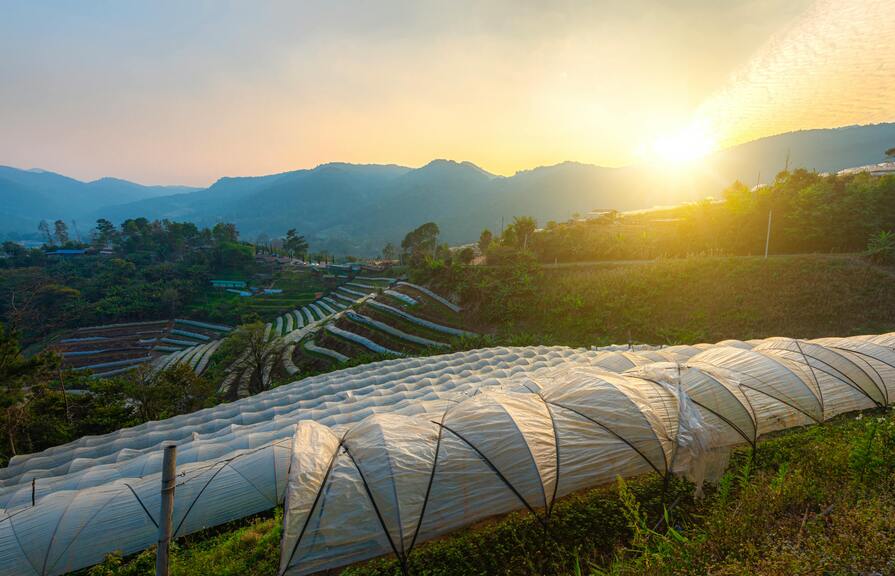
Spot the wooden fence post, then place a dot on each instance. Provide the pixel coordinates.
(166, 517)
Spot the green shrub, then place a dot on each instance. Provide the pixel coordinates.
(881, 248)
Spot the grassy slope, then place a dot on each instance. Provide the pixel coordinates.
(705, 299)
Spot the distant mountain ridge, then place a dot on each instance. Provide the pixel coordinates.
(28, 196)
(357, 208)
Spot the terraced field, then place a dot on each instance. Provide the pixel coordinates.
(292, 332)
(298, 289)
(363, 319)
(379, 317)
(113, 349)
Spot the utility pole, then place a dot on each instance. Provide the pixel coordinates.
(166, 516)
(767, 241)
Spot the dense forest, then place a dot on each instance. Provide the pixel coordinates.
(140, 270)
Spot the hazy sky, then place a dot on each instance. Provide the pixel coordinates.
(185, 92)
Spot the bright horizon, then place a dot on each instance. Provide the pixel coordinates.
(164, 93)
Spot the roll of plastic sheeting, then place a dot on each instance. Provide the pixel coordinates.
(440, 299)
(382, 326)
(419, 321)
(361, 340)
(401, 296)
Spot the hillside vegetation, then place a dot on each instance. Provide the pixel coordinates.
(808, 213)
(677, 301)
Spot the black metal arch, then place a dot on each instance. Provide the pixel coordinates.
(620, 437)
(726, 420)
(839, 374)
(304, 527)
(496, 471)
(401, 558)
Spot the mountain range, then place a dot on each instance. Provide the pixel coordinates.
(357, 208)
(28, 196)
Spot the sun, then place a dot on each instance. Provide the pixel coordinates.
(683, 147)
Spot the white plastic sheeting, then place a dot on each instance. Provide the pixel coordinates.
(311, 346)
(401, 296)
(333, 304)
(100, 494)
(392, 481)
(419, 321)
(327, 308)
(321, 315)
(122, 468)
(361, 340)
(391, 330)
(377, 383)
(288, 363)
(437, 297)
(353, 292)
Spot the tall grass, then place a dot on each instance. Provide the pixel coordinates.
(683, 301)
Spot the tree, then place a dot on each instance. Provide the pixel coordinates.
(262, 243)
(18, 375)
(105, 232)
(524, 227)
(14, 249)
(389, 252)
(485, 239)
(322, 256)
(420, 243)
(225, 232)
(170, 298)
(443, 253)
(35, 302)
(881, 247)
(296, 244)
(159, 395)
(232, 258)
(259, 354)
(61, 232)
(466, 255)
(44, 229)
(508, 236)
(891, 152)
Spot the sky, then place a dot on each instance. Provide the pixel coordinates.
(184, 92)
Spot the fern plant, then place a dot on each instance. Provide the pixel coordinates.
(881, 247)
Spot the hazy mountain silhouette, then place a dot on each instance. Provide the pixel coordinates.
(351, 208)
(27, 196)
